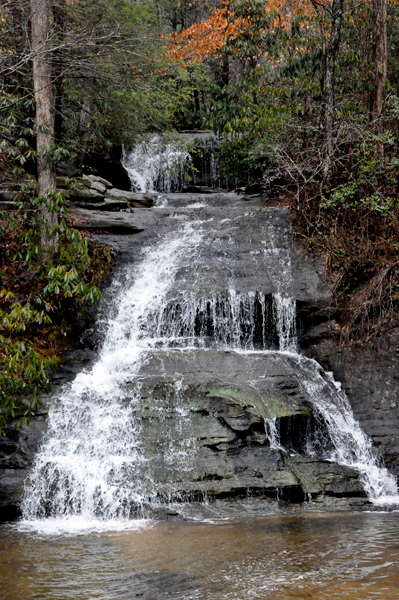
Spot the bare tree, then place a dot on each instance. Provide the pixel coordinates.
(380, 59)
(44, 121)
(58, 66)
(330, 55)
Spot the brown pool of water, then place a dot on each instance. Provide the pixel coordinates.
(346, 556)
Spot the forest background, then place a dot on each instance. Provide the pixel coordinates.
(303, 95)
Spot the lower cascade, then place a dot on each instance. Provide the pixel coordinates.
(199, 391)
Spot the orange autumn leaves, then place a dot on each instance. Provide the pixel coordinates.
(208, 38)
(201, 40)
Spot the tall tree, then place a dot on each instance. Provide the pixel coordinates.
(380, 58)
(44, 121)
(58, 66)
(331, 48)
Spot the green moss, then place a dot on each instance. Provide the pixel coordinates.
(267, 404)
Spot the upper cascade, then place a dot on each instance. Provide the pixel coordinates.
(157, 164)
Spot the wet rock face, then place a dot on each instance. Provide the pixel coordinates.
(17, 450)
(369, 373)
(204, 420)
(19, 446)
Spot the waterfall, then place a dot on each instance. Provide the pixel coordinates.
(230, 320)
(93, 462)
(90, 463)
(285, 314)
(157, 164)
(350, 445)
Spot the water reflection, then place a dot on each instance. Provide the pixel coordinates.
(354, 557)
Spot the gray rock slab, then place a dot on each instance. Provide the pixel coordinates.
(107, 205)
(86, 195)
(98, 187)
(203, 416)
(101, 180)
(111, 222)
(143, 200)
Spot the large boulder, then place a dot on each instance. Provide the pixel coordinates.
(85, 194)
(96, 179)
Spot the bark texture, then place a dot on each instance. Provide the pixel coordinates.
(58, 67)
(330, 55)
(380, 58)
(17, 23)
(44, 121)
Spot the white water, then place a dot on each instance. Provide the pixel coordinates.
(91, 468)
(272, 434)
(90, 461)
(285, 313)
(157, 165)
(352, 447)
(230, 320)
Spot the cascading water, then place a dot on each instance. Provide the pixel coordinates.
(93, 461)
(351, 446)
(157, 165)
(90, 462)
(285, 314)
(229, 320)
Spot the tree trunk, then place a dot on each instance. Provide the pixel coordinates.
(44, 120)
(17, 22)
(84, 127)
(59, 95)
(331, 52)
(58, 67)
(380, 59)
